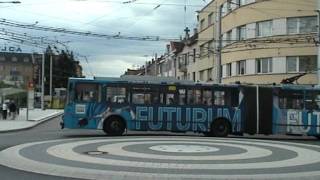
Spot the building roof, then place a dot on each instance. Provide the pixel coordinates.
(134, 71)
(19, 57)
(176, 47)
(192, 40)
(207, 5)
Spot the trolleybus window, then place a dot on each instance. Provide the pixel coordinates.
(312, 100)
(141, 98)
(232, 97)
(219, 98)
(170, 99)
(227, 97)
(194, 97)
(207, 97)
(182, 96)
(144, 95)
(87, 92)
(116, 95)
(291, 100)
(171, 95)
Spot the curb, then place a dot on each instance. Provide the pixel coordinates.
(34, 125)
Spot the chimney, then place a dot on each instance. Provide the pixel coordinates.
(168, 48)
(195, 31)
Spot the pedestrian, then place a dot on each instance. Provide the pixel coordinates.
(13, 109)
(1, 112)
(18, 110)
(4, 110)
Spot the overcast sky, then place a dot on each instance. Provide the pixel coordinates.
(107, 57)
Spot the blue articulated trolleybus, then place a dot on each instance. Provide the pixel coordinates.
(165, 104)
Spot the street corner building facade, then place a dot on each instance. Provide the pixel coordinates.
(16, 68)
(245, 41)
(264, 41)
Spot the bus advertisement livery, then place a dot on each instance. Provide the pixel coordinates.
(165, 104)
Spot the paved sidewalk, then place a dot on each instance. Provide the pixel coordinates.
(36, 116)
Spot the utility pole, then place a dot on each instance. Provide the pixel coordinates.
(50, 86)
(219, 48)
(318, 43)
(146, 66)
(155, 64)
(42, 82)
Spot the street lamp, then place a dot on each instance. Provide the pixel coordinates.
(12, 2)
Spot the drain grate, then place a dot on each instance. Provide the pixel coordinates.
(95, 153)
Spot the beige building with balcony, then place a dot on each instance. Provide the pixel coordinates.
(266, 41)
(248, 41)
(257, 41)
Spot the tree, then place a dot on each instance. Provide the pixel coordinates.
(64, 66)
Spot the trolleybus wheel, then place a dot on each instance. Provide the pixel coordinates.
(114, 126)
(220, 128)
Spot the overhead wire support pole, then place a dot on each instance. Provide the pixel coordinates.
(219, 49)
(50, 91)
(318, 43)
(42, 82)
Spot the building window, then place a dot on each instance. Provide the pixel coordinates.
(194, 76)
(2, 58)
(292, 65)
(202, 51)
(307, 63)
(242, 33)
(301, 64)
(242, 2)
(228, 70)
(229, 9)
(26, 59)
(201, 75)
(241, 67)
(228, 37)
(264, 28)
(209, 75)
(302, 25)
(210, 19)
(264, 65)
(202, 24)
(210, 47)
(194, 55)
(14, 59)
(224, 9)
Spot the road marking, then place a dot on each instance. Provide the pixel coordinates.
(184, 148)
(65, 151)
(12, 158)
(251, 151)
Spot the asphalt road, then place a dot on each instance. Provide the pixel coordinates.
(46, 131)
(51, 131)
